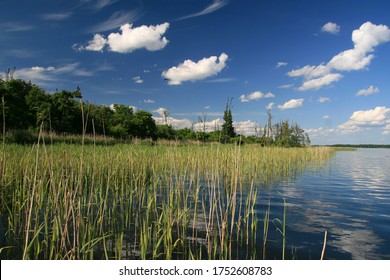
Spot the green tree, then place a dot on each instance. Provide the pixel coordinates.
(144, 125)
(100, 118)
(122, 121)
(16, 110)
(66, 112)
(165, 131)
(40, 105)
(227, 127)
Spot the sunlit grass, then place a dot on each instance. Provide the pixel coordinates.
(141, 201)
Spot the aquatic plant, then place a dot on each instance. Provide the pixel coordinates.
(141, 201)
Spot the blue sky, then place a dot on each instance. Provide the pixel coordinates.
(322, 64)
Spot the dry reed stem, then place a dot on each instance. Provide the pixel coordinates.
(323, 247)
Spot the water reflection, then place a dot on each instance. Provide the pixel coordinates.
(351, 202)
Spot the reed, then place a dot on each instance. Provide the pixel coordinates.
(141, 201)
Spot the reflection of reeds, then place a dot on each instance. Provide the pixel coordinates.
(140, 201)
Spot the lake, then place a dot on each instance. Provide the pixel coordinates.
(350, 199)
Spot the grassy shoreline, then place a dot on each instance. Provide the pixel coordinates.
(137, 201)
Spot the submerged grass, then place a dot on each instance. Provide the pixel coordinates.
(137, 201)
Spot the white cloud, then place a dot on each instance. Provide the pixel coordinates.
(209, 126)
(286, 86)
(135, 109)
(323, 99)
(310, 71)
(149, 101)
(56, 16)
(281, 64)
(176, 123)
(291, 104)
(270, 105)
(96, 44)
(386, 130)
(359, 122)
(331, 27)
(15, 27)
(377, 116)
(222, 80)
(116, 20)
(349, 60)
(193, 71)
(130, 39)
(138, 80)
(51, 73)
(318, 83)
(255, 96)
(161, 111)
(326, 117)
(363, 120)
(365, 39)
(35, 73)
(216, 5)
(368, 91)
(100, 4)
(245, 127)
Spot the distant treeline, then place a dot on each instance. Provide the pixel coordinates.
(361, 145)
(26, 109)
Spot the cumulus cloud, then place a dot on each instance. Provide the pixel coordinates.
(310, 71)
(377, 116)
(361, 121)
(386, 130)
(291, 104)
(255, 96)
(149, 101)
(365, 39)
(193, 71)
(245, 127)
(175, 123)
(318, 83)
(331, 27)
(161, 111)
(129, 39)
(368, 91)
(96, 44)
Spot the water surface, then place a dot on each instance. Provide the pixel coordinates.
(350, 199)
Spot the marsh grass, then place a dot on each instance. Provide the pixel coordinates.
(141, 201)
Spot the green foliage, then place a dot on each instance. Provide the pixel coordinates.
(227, 127)
(144, 125)
(165, 131)
(27, 106)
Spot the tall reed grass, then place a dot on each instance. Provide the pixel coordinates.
(141, 201)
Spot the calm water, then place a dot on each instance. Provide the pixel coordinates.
(350, 199)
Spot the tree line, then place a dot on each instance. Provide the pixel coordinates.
(26, 107)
